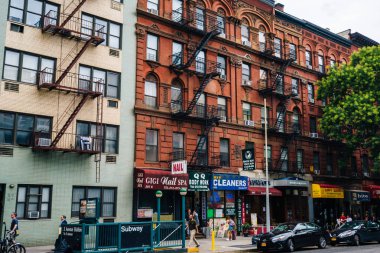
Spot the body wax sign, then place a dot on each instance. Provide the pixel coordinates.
(248, 159)
(228, 182)
(135, 236)
(199, 181)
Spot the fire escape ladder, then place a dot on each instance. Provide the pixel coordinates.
(203, 138)
(99, 135)
(74, 60)
(79, 5)
(205, 81)
(70, 120)
(280, 72)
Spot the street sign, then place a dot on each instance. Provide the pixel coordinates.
(248, 159)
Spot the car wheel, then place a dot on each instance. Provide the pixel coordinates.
(291, 246)
(322, 242)
(356, 241)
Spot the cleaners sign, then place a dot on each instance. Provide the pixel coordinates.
(228, 182)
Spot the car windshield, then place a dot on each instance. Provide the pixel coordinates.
(283, 228)
(352, 225)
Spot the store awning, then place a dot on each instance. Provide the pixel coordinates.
(290, 182)
(262, 191)
(327, 191)
(357, 196)
(159, 180)
(374, 190)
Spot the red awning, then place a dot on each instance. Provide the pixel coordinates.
(160, 180)
(374, 190)
(262, 191)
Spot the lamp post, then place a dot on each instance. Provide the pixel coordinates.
(183, 193)
(267, 207)
(158, 196)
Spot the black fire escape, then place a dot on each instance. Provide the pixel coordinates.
(85, 34)
(207, 27)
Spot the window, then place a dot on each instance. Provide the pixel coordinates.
(246, 73)
(221, 24)
(284, 159)
(365, 167)
(280, 121)
(299, 160)
(292, 51)
(221, 66)
(222, 107)
(295, 87)
(176, 96)
(19, 129)
(201, 155)
(151, 146)
(24, 67)
(280, 84)
(332, 61)
(110, 136)
(262, 112)
(177, 53)
(178, 150)
(152, 5)
(200, 62)
(30, 11)
(150, 98)
(269, 151)
(262, 41)
(247, 111)
(296, 127)
(152, 48)
(321, 63)
(309, 64)
(34, 201)
(106, 195)
(200, 107)
(263, 75)
(277, 47)
(224, 152)
(109, 31)
(329, 163)
(91, 77)
(313, 125)
(316, 162)
(310, 93)
(200, 19)
(244, 33)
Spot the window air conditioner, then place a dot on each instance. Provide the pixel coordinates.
(223, 77)
(44, 142)
(222, 35)
(222, 118)
(246, 82)
(314, 135)
(85, 143)
(153, 11)
(311, 100)
(309, 66)
(249, 123)
(247, 43)
(33, 214)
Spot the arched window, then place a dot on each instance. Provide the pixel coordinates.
(332, 61)
(280, 120)
(176, 96)
(296, 126)
(221, 22)
(245, 32)
(308, 57)
(150, 98)
(262, 38)
(321, 62)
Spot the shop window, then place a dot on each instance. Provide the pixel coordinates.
(106, 196)
(224, 152)
(247, 114)
(215, 201)
(151, 146)
(34, 201)
(230, 203)
(152, 48)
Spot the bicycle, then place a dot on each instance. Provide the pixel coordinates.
(8, 243)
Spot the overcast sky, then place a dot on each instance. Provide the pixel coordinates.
(361, 16)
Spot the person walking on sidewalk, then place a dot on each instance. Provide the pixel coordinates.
(193, 230)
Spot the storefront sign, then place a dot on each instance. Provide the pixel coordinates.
(259, 182)
(374, 190)
(248, 159)
(291, 182)
(179, 167)
(160, 180)
(230, 212)
(199, 181)
(240, 204)
(144, 213)
(228, 182)
(361, 196)
(218, 213)
(135, 236)
(327, 191)
(204, 206)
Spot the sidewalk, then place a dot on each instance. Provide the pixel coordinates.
(241, 244)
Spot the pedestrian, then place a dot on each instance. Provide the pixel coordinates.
(14, 225)
(188, 214)
(373, 218)
(59, 239)
(196, 217)
(343, 218)
(366, 217)
(349, 219)
(193, 230)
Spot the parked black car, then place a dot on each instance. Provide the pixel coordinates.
(356, 232)
(290, 236)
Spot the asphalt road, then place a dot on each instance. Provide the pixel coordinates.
(367, 248)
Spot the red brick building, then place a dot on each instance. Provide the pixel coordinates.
(203, 71)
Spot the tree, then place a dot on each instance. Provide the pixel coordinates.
(352, 92)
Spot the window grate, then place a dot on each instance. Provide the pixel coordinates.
(14, 87)
(114, 53)
(6, 152)
(110, 159)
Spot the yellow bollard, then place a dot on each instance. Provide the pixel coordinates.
(212, 240)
